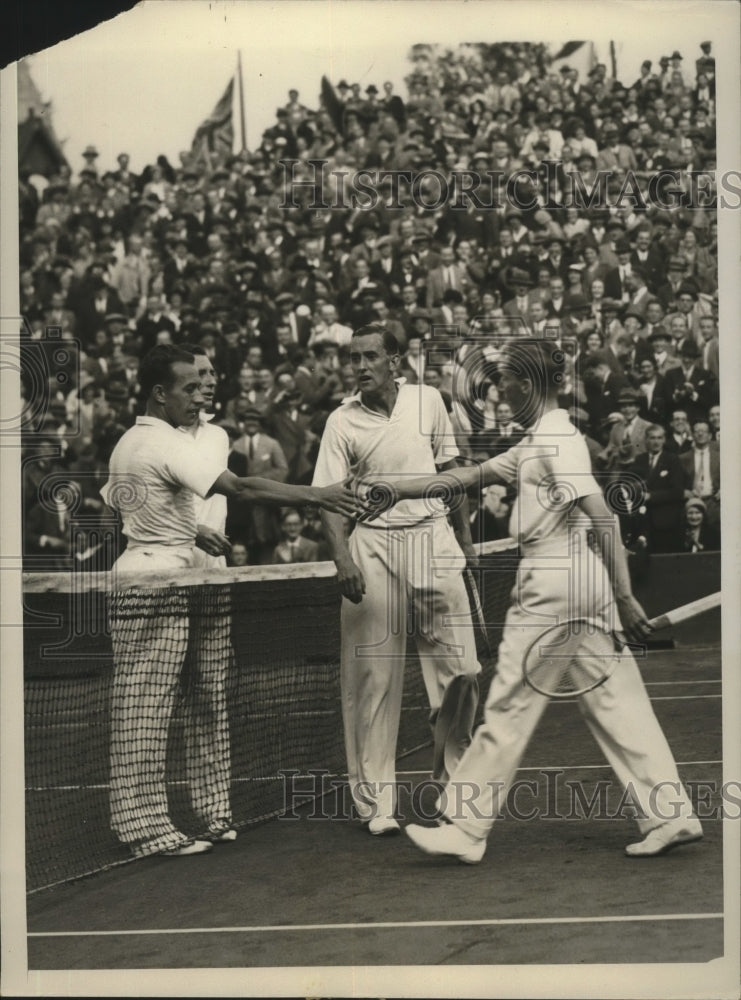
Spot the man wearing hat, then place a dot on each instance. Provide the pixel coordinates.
(676, 67)
(90, 155)
(690, 387)
(660, 342)
(627, 438)
(616, 279)
(602, 387)
(706, 63)
(265, 458)
(676, 270)
(688, 309)
(659, 509)
(646, 76)
(518, 307)
(286, 312)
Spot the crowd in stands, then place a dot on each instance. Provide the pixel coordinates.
(207, 253)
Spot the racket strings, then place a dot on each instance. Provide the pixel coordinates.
(570, 659)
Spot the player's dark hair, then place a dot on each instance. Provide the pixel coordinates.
(540, 361)
(390, 343)
(156, 366)
(193, 348)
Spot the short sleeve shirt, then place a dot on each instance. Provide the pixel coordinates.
(552, 470)
(210, 442)
(415, 439)
(154, 473)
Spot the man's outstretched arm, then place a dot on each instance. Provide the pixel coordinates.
(338, 498)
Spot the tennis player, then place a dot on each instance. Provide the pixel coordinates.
(407, 563)
(560, 577)
(153, 476)
(210, 654)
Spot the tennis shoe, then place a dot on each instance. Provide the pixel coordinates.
(189, 847)
(448, 840)
(222, 836)
(383, 826)
(665, 838)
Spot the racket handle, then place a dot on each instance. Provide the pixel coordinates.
(686, 611)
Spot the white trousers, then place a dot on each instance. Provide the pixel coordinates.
(165, 640)
(414, 587)
(551, 588)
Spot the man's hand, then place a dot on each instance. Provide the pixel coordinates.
(212, 541)
(351, 580)
(377, 496)
(339, 499)
(633, 618)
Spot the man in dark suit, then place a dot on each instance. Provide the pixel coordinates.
(449, 275)
(288, 422)
(690, 387)
(616, 284)
(153, 320)
(94, 304)
(178, 267)
(655, 404)
(668, 292)
(679, 438)
(293, 547)
(647, 259)
(602, 387)
(662, 504)
(238, 514)
(285, 312)
(518, 307)
(265, 458)
(702, 470)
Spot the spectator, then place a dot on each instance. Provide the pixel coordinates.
(697, 534)
(714, 421)
(293, 547)
(690, 387)
(661, 506)
(238, 555)
(226, 269)
(265, 458)
(701, 467)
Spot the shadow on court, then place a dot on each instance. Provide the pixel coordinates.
(322, 892)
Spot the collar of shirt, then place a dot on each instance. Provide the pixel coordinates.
(149, 421)
(356, 397)
(552, 422)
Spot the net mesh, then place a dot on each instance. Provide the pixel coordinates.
(245, 664)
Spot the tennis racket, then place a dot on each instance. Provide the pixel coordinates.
(477, 611)
(578, 655)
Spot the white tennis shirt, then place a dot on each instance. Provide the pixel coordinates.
(207, 441)
(552, 470)
(153, 473)
(414, 439)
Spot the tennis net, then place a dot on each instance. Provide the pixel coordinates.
(275, 633)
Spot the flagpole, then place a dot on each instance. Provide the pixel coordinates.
(242, 121)
(613, 59)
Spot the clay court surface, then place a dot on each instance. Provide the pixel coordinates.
(322, 892)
